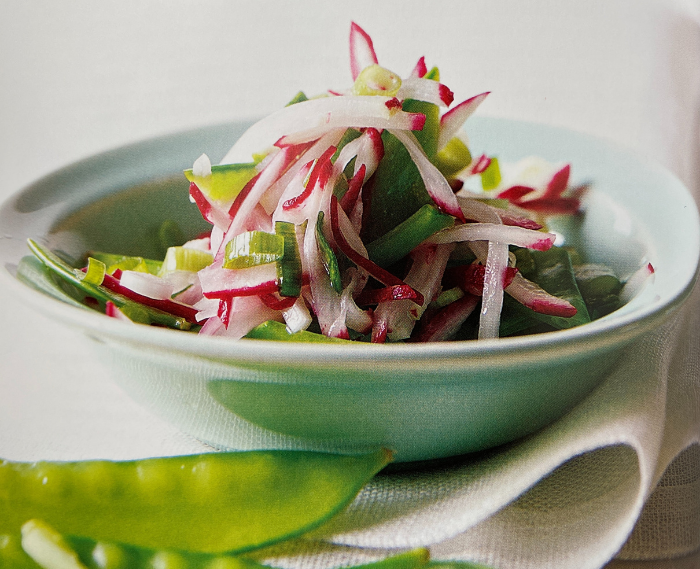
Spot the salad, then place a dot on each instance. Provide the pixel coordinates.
(362, 215)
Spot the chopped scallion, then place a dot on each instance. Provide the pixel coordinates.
(253, 248)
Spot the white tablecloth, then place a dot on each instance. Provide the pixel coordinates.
(80, 78)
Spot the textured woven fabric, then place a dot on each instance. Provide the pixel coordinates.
(568, 496)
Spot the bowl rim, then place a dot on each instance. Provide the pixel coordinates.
(615, 328)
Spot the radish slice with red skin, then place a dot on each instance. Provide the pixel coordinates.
(386, 294)
(309, 120)
(453, 120)
(435, 183)
(147, 284)
(297, 317)
(507, 234)
(470, 278)
(113, 311)
(636, 282)
(247, 200)
(246, 313)
(382, 275)
(515, 194)
(478, 166)
(475, 210)
(536, 298)
(347, 202)
(325, 300)
(398, 318)
(209, 211)
(492, 294)
(426, 90)
(420, 69)
(362, 52)
(448, 320)
(218, 282)
(320, 174)
(559, 182)
(271, 198)
(170, 306)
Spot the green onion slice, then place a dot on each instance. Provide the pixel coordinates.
(253, 248)
(185, 259)
(289, 266)
(95, 272)
(491, 177)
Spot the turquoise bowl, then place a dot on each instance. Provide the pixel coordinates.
(425, 401)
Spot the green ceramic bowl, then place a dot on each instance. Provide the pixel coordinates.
(425, 401)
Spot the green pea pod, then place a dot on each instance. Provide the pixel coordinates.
(396, 190)
(400, 241)
(12, 555)
(330, 261)
(555, 274)
(63, 270)
(217, 502)
(44, 541)
(273, 330)
(456, 565)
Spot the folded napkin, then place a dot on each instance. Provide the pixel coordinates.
(567, 496)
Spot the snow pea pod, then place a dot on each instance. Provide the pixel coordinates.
(216, 502)
(43, 542)
(12, 555)
(396, 190)
(102, 294)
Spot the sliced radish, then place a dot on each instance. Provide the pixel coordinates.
(636, 282)
(492, 295)
(453, 120)
(435, 183)
(508, 234)
(147, 284)
(536, 298)
(448, 320)
(309, 120)
(362, 52)
(219, 283)
(420, 69)
(426, 90)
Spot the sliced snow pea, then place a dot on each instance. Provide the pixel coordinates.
(555, 274)
(169, 235)
(428, 135)
(600, 288)
(92, 554)
(457, 565)
(273, 330)
(212, 503)
(453, 157)
(100, 293)
(330, 262)
(396, 190)
(402, 239)
(12, 555)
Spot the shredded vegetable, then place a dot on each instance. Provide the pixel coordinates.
(355, 215)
